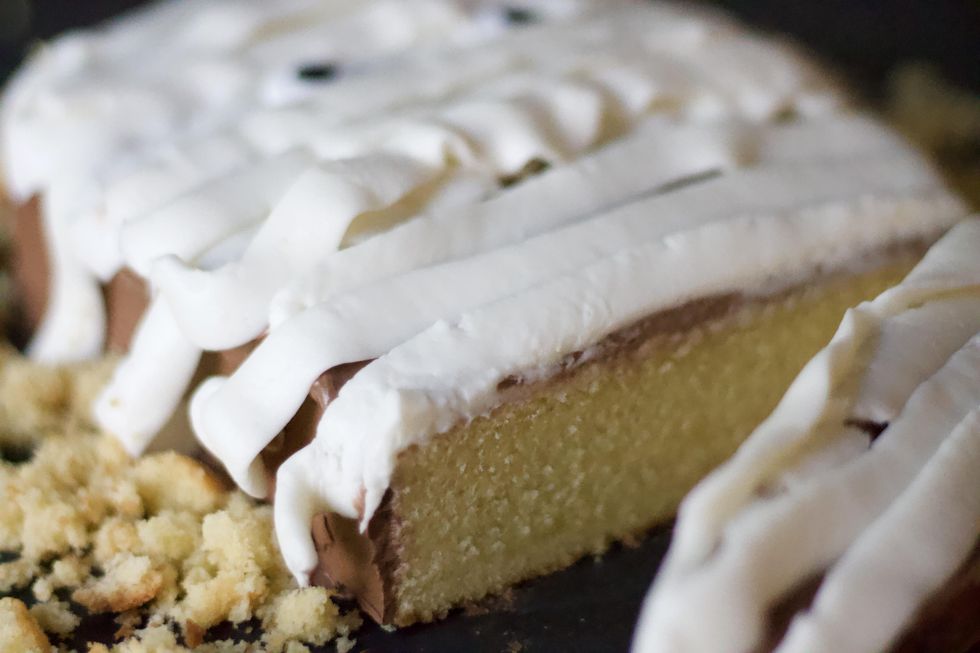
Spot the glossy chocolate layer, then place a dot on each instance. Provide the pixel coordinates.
(31, 266)
(360, 565)
(302, 427)
(126, 298)
(125, 295)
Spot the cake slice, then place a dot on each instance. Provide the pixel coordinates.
(864, 478)
(567, 414)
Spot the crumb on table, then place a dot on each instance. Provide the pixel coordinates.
(160, 540)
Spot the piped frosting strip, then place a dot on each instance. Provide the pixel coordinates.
(928, 531)
(93, 106)
(246, 140)
(450, 372)
(656, 155)
(237, 418)
(749, 551)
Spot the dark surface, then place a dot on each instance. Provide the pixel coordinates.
(588, 608)
(865, 38)
(592, 606)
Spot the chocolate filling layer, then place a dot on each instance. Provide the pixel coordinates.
(946, 623)
(125, 296)
(359, 565)
(126, 299)
(31, 267)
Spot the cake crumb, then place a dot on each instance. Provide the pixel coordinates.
(152, 639)
(173, 481)
(129, 582)
(306, 614)
(161, 540)
(55, 617)
(17, 573)
(345, 644)
(19, 632)
(69, 571)
(127, 621)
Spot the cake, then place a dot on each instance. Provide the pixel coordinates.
(468, 291)
(860, 490)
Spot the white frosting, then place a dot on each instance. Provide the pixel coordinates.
(238, 420)
(157, 345)
(91, 97)
(98, 230)
(618, 173)
(934, 331)
(94, 105)
(169, 147)
(240, 294)
(74, 323)
(757, 527)
(199, 219)
(928, 531)
(290, 241)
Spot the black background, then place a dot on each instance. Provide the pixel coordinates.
(592, 606)
(866, 38)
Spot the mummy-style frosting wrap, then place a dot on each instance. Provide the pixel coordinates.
(886, 519)
(536, 242)
(230, 173)
(450, 195)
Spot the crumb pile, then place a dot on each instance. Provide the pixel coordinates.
(158, 541)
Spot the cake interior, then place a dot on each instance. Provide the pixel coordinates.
(602, 452)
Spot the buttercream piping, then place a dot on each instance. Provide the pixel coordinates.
(749, 552)
(242, 415)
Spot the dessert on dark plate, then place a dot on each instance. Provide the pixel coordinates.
(458, 293)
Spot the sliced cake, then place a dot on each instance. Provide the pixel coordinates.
(468, 291)
(858, 498)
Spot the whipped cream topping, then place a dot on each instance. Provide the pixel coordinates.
(799, 498)
(245, 190)
(96, 107)
(237, 418)
(616, 174)
(552, 115)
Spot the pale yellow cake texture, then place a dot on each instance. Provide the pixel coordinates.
(603, 452)
(160, 537)
(19, 631)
